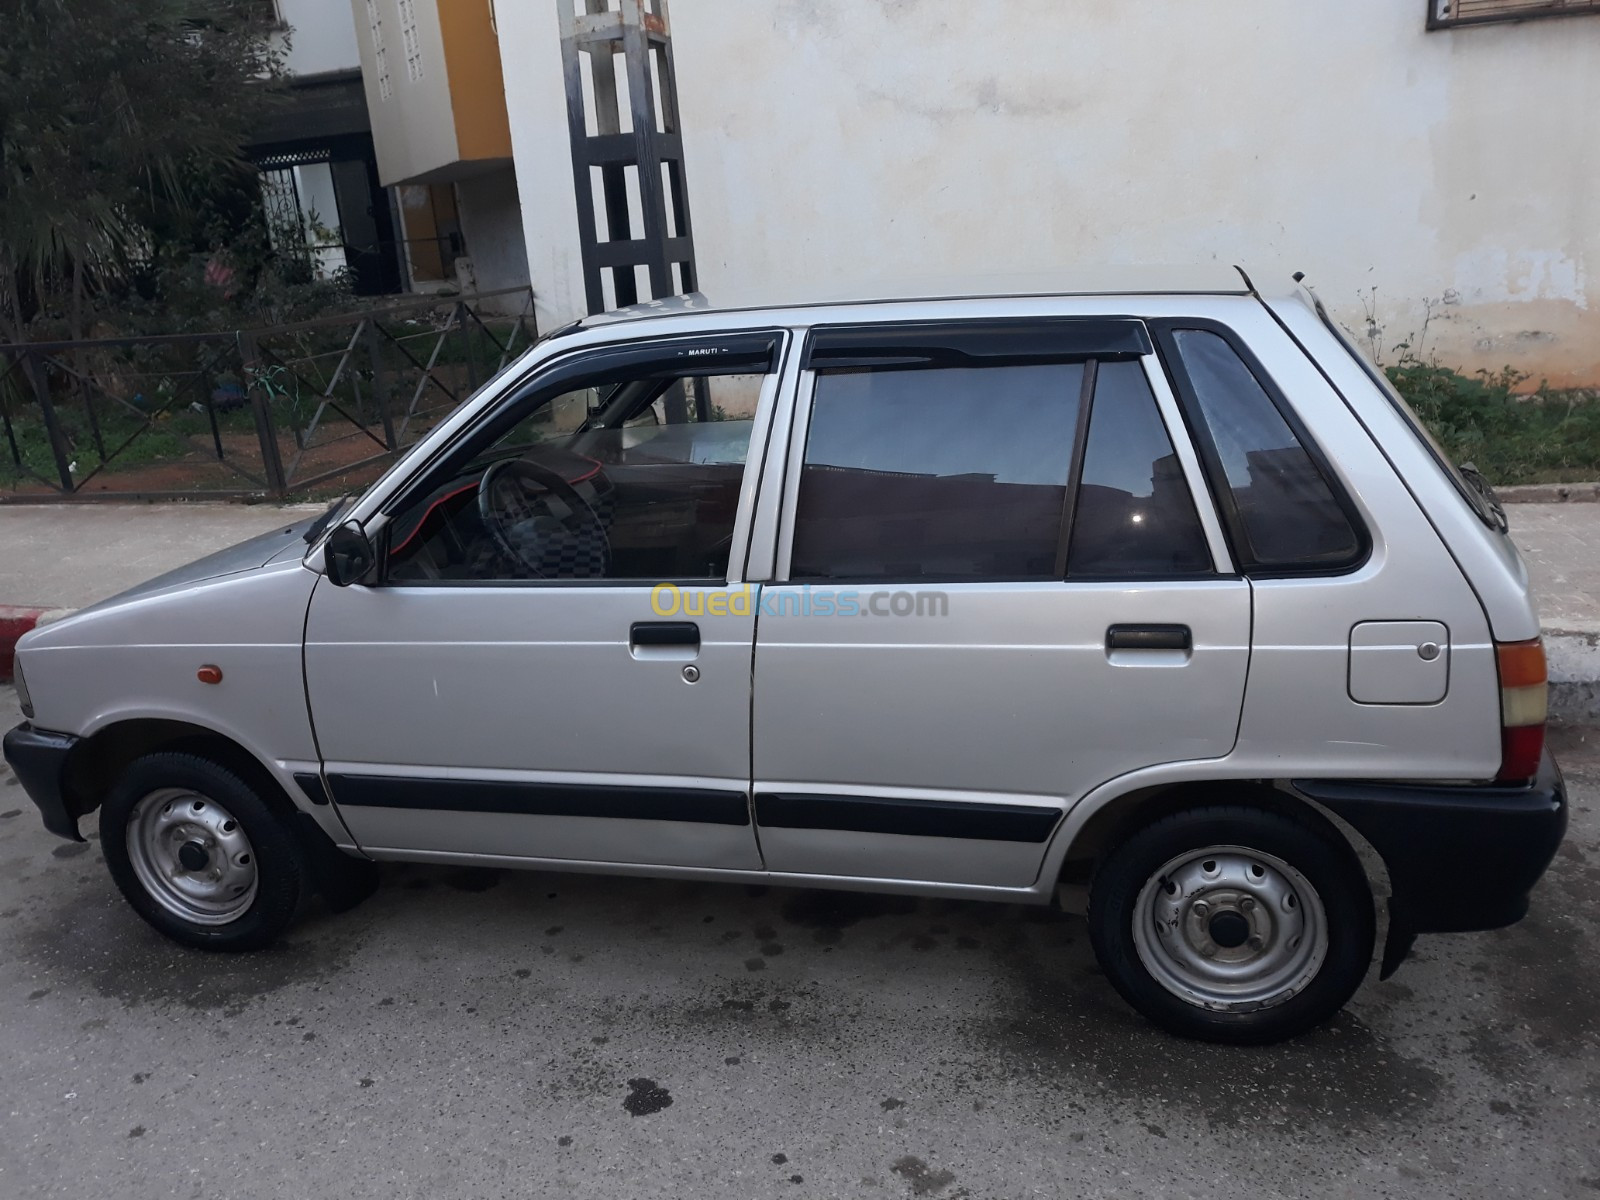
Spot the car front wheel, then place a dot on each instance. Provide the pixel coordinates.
(1232, 924)
(199, 855)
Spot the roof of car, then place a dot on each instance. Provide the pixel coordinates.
(1203, 279)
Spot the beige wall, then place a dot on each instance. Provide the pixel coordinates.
(1455, 174)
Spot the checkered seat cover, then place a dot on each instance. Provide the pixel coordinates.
(552, 549)
(541, 535)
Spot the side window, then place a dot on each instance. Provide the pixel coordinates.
(636, 479)
(1285, 512)
(1135, 517)
(936, 473)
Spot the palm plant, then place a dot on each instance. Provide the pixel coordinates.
(114, 115)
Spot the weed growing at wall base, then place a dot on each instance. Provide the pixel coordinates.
(1546, 437)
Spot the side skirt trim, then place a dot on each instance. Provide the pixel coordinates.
(911, 818)
(697, 805)
(1033, 894)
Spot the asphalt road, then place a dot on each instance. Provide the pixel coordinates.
(486, 1034)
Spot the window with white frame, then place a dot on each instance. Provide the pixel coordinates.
(1452, 14)
(380, 56)
(411, 38)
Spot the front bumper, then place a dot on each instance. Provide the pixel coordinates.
(39, 760)
(1459, 858)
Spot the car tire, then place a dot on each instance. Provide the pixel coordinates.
(200, 855)
(1233, 924)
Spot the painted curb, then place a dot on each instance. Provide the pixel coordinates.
(16, 621)
(1549, 493)
(1574, 659)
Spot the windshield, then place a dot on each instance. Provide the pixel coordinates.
(1474, 489)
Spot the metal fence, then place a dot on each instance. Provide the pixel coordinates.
(269, 412)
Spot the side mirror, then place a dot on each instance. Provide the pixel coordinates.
(348, 555)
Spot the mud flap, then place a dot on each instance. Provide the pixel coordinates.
(1397, 945)
(342, 881)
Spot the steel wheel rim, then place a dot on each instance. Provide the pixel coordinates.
(192, 856)
(1230, 929)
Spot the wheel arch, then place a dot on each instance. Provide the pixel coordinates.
(100, 759)
(1100, 822)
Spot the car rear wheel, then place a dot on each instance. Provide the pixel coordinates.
(1232, 924)
(199, 855)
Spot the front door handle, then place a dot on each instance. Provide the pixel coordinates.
(664, 633)
(1149, 637)
(670, 641)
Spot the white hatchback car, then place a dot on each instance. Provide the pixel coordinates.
(1157, 595)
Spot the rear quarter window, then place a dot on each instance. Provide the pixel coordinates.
(1283, 511)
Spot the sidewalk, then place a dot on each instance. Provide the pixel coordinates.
(68, 556)
(1561, 545)
(74, 555)
(58, 557)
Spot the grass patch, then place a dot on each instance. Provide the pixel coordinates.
(1545, 437)
(180, 435)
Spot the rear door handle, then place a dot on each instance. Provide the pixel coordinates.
(1149, 637)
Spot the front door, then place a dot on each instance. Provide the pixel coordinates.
(516, 684)
(994, 593)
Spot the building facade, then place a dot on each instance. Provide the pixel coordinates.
(319, 173)
(431, 70)
(1436, 178)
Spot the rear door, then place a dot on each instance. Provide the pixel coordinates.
(997, 587)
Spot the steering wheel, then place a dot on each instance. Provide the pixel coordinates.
(552, 532)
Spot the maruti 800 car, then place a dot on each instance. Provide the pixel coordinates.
(1146, 590)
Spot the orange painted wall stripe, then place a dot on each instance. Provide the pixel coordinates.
(477, 88)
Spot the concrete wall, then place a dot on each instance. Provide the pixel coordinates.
(322, 37)
(1450, 179)
(491, 222)
(536, 102)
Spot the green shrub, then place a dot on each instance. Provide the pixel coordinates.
(1545, 437)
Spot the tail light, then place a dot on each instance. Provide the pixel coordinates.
(1524, 703)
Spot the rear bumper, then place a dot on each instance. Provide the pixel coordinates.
(39, 760)
(1459, 858)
